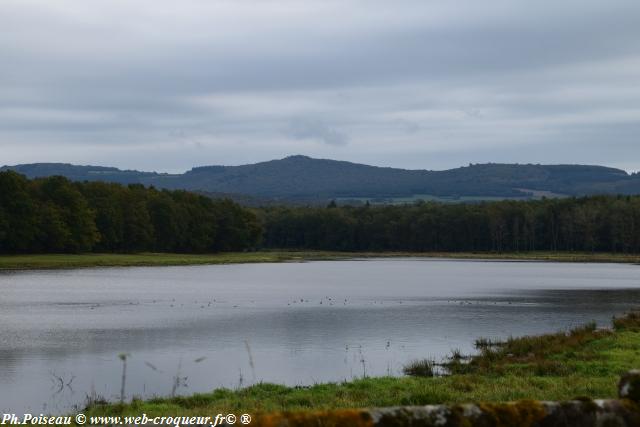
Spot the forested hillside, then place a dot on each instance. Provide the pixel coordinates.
(57, 215)
(603, 223)
(301, 179)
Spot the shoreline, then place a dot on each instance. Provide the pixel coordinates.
(74, 261)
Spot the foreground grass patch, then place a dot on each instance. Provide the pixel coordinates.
(585, 362)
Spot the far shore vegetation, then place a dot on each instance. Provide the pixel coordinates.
(67, 261)
(55, 215)
(583, 363)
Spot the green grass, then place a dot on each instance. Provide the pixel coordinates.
(53, 261)
(583, 363)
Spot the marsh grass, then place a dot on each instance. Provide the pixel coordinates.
(631, 321)
(123, 382)
(585, 361)
(419, 368)
(535, 350)
(57, 261)
(482, 343)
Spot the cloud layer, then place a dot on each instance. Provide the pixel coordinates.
(162, 85)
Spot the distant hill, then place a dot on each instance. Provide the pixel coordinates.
(304, 179)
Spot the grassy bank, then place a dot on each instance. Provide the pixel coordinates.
(53, 261)
(585, 362)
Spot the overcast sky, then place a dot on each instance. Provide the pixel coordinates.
(168, 85)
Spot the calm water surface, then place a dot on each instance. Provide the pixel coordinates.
(294, 323)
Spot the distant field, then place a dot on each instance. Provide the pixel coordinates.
(54, 261)
(536, 195)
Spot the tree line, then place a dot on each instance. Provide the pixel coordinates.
(598, 223)
(55, 215)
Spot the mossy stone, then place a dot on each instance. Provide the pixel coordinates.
(629, 386)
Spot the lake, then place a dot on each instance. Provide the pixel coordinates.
(61, 332)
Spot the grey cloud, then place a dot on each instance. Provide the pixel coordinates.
(411, 83)
(316, 130)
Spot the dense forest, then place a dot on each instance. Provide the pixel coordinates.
(600, 223)
(57, 215)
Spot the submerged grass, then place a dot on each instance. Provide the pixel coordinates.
(56, 261)
(584, 362)
(419, 368)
